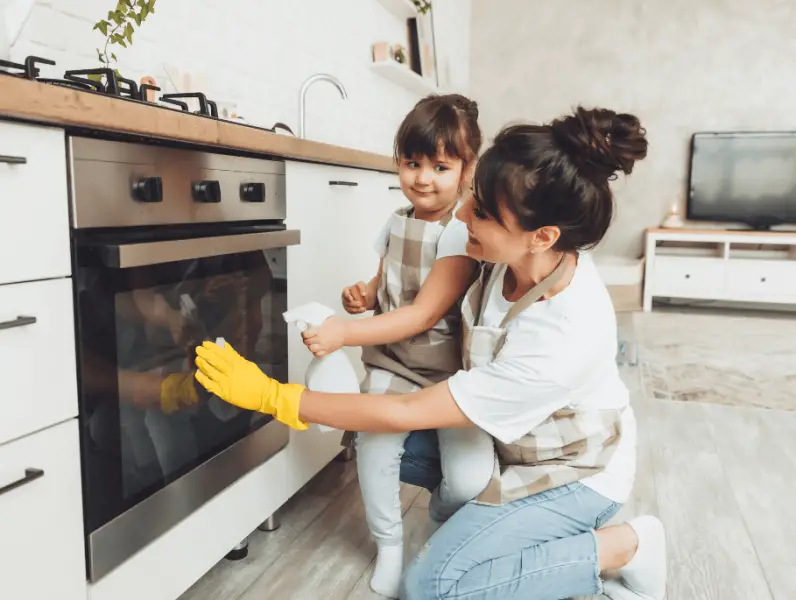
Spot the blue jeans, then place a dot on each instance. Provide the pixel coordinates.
(537, 548)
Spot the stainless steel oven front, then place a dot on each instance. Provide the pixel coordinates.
(171, 246)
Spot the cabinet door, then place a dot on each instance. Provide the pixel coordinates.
(34, 227)
(41, 516)
(322, 203)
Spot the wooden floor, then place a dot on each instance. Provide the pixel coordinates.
(722, 479)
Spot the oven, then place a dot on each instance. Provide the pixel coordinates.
(171, 246)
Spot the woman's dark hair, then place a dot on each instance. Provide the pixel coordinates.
(559, 173)
(448, 122)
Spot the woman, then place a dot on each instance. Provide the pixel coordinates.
(539, 376)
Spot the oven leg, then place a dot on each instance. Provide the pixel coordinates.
(346, 455)
(240, 551)
(270, 524)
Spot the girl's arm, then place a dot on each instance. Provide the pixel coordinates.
(446, 283)
(430, 408)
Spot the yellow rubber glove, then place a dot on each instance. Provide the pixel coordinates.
(177, 391)
(228, 375)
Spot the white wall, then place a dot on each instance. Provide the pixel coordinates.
(257, 53)
(681, 65)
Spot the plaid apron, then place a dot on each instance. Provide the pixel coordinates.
(431, 356)
(570, 445)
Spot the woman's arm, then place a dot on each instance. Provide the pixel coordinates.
(446, 283)
(431, 408)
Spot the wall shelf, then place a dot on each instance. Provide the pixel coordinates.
(400, 9)
(402, 75)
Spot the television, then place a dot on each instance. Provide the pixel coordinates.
(743, 177)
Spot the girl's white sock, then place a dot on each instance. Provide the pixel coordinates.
(386, 579)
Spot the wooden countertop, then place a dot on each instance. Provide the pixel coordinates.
(55, 105)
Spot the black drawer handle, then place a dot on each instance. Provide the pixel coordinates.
(346, 183)
(18, 322)
(394, 187)
(13, 160)
(30, 475)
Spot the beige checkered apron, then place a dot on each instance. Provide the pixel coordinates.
(431, 356)
(572, 444)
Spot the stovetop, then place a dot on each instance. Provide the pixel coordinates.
(121, 88)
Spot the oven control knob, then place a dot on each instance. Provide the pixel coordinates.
(207, 191)
(149, 189)
(252, 192)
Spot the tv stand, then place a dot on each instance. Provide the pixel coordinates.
(757, 267)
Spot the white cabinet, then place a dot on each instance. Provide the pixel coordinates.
(37, 354)
(41, 517)
(339, 212)
(34, 227)
(728, 266)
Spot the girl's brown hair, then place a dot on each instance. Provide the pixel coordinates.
(558, 174)
(448, 123)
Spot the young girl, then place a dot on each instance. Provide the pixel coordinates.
(413, 340)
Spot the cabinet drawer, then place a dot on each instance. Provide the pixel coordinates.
(686, 277)
(34, 229)
(37, 358)
(41, 518)
(761, 279)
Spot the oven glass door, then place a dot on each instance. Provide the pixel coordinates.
(145, 420)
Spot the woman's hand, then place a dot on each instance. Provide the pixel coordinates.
(228, 375)
(356, 299)
(327, 338)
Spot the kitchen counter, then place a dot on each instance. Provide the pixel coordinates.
(50, 104)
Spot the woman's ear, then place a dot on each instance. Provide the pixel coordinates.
(543, 239)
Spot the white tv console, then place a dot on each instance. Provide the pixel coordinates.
(724, 265)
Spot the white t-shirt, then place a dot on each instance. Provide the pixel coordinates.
(558, 352)
(452, 241)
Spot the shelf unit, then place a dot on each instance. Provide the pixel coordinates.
(402, 75)
(401, 9)
(724, 265)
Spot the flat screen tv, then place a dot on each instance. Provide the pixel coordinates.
(740, 177)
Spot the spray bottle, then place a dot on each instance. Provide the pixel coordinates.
(333, 373)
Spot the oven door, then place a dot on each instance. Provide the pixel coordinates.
(155, 444)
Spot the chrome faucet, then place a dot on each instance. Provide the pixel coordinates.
(303, 95)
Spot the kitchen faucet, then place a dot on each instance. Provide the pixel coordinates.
(303, 95)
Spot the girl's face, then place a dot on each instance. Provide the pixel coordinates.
(432, 185)
(506, 243)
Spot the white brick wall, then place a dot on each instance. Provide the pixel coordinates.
(257, 53)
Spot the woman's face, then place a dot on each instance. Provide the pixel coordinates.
(506, 243)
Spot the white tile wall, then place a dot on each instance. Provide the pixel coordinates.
(257, 53)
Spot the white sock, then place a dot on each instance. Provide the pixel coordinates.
(386, 579)
(644, 577)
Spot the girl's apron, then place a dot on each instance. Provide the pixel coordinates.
(431, 356)
(570, 445)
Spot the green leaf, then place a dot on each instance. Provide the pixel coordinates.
(122, 43)
(152, 6)
(113, 56)
(137, 18)
(97, 78)
(141, 3)
(100, 56)
(103, 27)
(128, 32)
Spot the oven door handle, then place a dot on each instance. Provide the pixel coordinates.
(125, 256)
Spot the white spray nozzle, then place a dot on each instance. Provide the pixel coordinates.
(220, 342)
(308, 315)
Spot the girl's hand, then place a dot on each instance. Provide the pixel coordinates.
(325, 339)
(356, 299)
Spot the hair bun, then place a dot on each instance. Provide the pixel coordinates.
(601, 141)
